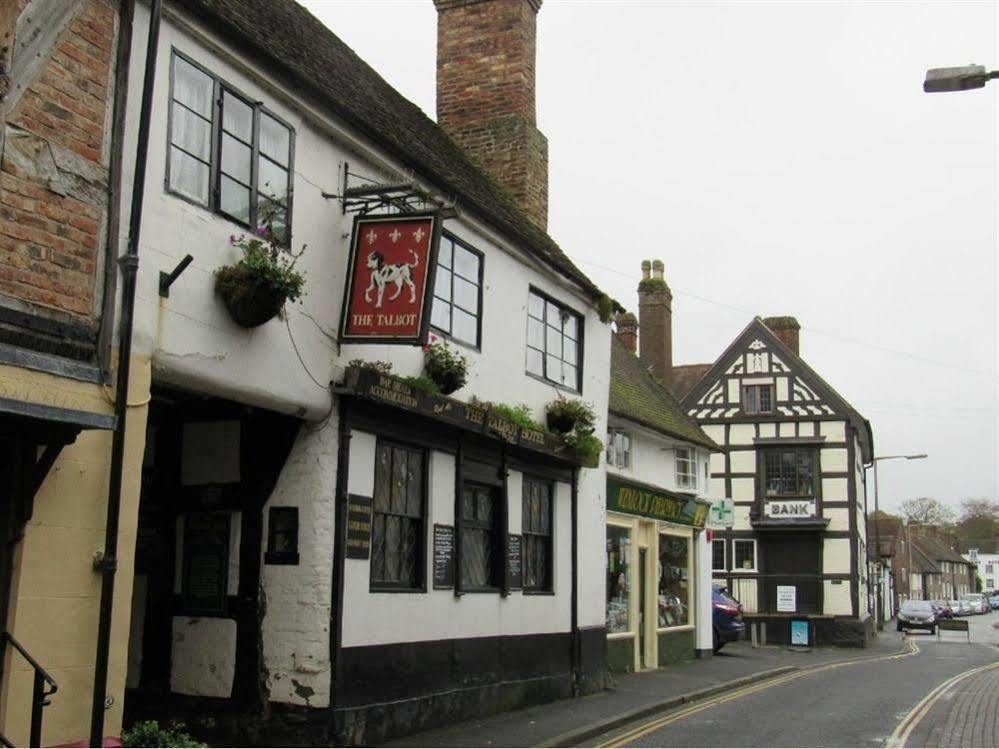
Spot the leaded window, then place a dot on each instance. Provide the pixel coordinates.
(228, 153)
(481, 537)
(789, 472)
(397, 523)
(758, 399)
(744, 551)
(457, 292)
(686, 468)
(718, 554)
(536, 526)
(554, 341)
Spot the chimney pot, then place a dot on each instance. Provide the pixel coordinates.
(657, 269)
(646, 267)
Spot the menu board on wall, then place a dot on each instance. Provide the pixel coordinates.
(358, 527)
(443, 556)
(514, 563)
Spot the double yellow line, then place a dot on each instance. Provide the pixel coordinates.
(900, 736)
(910, 648)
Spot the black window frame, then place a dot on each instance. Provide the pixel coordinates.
(735, 555)
(548, 584)
(808, 453)
(282, 521)
(756, 408)
(564, 309)
(420, 564)
(724, 554)
(477, 345)
(498, 539)
(219, 86)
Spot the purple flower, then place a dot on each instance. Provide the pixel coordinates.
(261, 231)
(232, 239)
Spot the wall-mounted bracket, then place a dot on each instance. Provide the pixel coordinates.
(167, 279)
(403, 196)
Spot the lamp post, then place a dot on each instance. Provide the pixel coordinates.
(941, 80)
(877, 529)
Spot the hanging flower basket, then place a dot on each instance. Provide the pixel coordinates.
(564, 416)
(256, 288)
(448, 369)
(251, 301)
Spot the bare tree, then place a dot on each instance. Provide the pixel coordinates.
(927, 511)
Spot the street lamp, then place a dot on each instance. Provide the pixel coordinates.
(877, 526)
(939, 80)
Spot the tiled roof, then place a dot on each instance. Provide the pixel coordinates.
(686, 376)
(312, 60)
(636, 395)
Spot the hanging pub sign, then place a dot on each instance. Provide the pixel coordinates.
(391, 269)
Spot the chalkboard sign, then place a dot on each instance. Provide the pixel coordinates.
(358, 527)
(443, 556)
(514, 563)
(206, 562)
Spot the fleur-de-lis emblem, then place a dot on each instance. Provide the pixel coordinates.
(419, 234)
(394, 236)
(372, 236)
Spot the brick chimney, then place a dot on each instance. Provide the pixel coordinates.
(485, 94)
(785, 328)
(627, 330)
(655, 321)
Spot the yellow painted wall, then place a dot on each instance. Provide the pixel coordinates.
(55, 592)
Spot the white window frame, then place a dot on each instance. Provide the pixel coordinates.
(736, 541)
(618, 454)
(689, 477)
(724, 567)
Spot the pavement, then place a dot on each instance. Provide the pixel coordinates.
(635, 696)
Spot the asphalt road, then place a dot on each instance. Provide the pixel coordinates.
(866, 703)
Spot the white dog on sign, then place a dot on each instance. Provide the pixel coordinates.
(382, 275)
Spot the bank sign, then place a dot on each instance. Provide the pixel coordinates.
(652, 502)
(790, 509)
(391, 268)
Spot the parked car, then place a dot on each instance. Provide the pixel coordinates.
(994, 602)
(977, 602)
(960, 608)
(943, 609)
(917, 615)
(726, 618)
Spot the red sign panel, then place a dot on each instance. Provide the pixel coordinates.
(392, 262)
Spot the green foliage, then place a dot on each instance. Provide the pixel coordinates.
(652, 285)
(265, 261)
(422, 384)
(445, 366)
(382, 367)
(587, 447)
(576, 415)
(520, 415)
(149, 733)
(605, 308)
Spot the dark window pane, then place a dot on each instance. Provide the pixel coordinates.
(399, 478)
(397, 525)
(718, 554)
(674, 581)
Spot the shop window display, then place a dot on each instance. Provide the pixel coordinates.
(674, 581)
(618, 579)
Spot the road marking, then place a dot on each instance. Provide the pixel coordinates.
(911, 648)
(904, 729)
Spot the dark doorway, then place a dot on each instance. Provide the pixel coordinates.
(792, 560)
(209, 467)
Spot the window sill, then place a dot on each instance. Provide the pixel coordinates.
(391, 589)
(676, 628)
(455, 341)
(527, 592)
(552, 383)
(482, 590)
(621, 635)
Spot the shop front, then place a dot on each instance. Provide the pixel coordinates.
(652, 575)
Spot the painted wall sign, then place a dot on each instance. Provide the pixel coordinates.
(358, 527)
(514, 563)
(443, 556)
(391, 267)
(790, 509)
(787, 596)
(722, 514)
(652, 502)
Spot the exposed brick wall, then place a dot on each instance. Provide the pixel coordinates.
(486, 96)
(54, 167)
(785, 328)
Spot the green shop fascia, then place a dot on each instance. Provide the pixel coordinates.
(651, 574)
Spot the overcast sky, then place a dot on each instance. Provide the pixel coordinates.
(780, 158)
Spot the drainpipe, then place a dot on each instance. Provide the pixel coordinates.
(574, 597)
(339, 552)
(129, 263)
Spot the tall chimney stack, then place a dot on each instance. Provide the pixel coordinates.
(627, 330)
(485, 94)
(655, 322)
(786, 328)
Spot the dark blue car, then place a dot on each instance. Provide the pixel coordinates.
(726, 618)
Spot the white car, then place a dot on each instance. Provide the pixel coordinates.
(978, 603)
